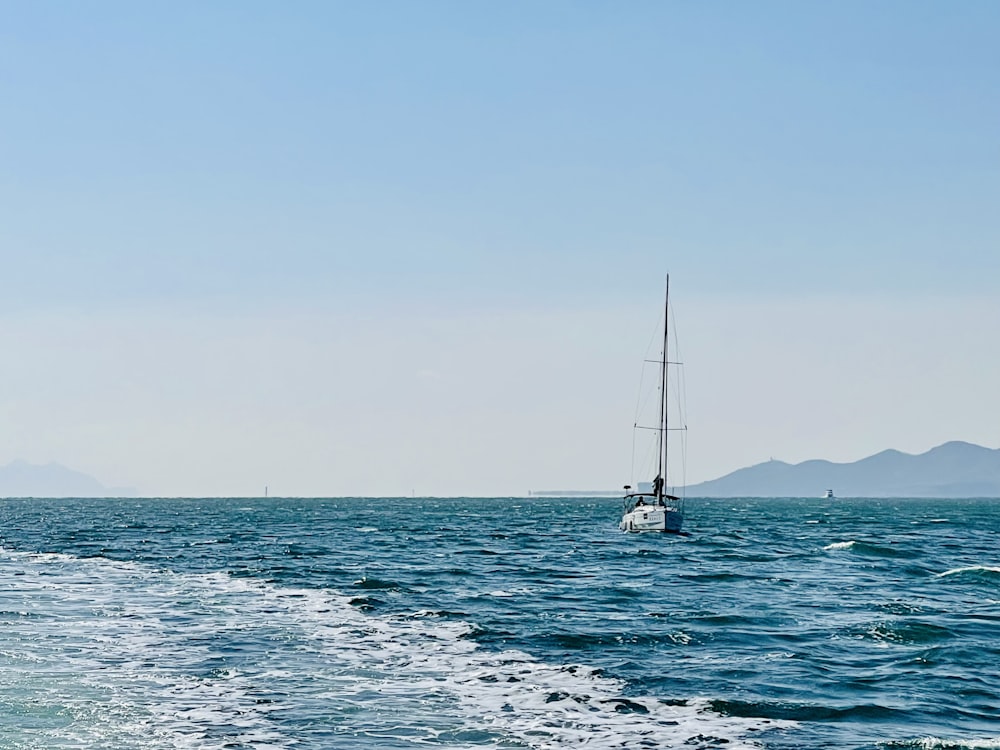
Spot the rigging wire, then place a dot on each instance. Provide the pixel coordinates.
(680, 389)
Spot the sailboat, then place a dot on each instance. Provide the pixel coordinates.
(656, 510)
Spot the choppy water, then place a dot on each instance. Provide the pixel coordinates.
(421, 623)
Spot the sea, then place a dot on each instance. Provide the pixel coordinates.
(424, 624)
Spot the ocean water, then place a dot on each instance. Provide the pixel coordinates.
(505, 623)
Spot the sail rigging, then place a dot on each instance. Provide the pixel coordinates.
(663, 511)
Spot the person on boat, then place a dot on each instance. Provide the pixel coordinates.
(658, 487)
(639, 502)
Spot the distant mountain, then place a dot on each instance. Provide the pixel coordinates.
(955, 469)
(20, 479)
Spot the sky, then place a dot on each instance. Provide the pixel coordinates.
(403, 248)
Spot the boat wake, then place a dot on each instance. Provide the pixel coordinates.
(936, 743)
(109, 652)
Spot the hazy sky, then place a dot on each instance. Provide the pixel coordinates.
(382, 248)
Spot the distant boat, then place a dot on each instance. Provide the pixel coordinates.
(829, 495)
(656, 510)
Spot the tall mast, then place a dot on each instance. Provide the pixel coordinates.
(663, 395)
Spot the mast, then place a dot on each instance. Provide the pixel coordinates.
(662, 449)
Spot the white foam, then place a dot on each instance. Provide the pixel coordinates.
(840, 545)
(936, 743)
(99, 645)
(969, 569)
(131, 648)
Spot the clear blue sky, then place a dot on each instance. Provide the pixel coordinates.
(354, 247)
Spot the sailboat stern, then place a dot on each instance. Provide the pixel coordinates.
(652, 517)
(673, 521)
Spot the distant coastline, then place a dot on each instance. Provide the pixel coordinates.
(952, 470)
(23, 479)
(575, 493)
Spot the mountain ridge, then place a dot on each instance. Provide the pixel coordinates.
(953, 469)
(22, 479)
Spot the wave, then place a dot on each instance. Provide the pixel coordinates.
(903, 631)
(803, 712)
(982, 572)
(867, 548)
(840, 545)
(376, 584)
(725, 576)
(366, 603)
(585, 641)
(211, 661)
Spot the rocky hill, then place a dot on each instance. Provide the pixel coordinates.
(954, 469)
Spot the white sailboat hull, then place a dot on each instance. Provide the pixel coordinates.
(652, 518)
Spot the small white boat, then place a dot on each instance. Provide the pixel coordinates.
(829, 495)
(656, 510)
(651, 512)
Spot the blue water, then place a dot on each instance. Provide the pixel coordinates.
(471, 623)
